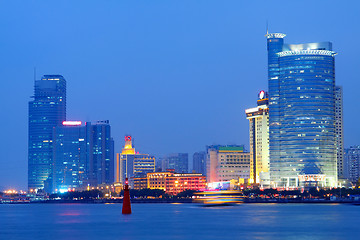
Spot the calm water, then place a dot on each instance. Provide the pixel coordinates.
(179, 221)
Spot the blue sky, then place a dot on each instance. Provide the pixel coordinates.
(176, 75)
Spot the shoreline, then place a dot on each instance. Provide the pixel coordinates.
(189, 200)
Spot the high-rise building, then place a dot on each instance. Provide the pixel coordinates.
(199, 162)
(177, 161)
(46, 111)
(83, 155)
(339, 131)
(301, 113)
(69, 156)
(101, 162)
(259, 141)
(225, 163)
(352, 163)
(130, 164)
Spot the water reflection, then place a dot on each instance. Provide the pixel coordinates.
(179, 221)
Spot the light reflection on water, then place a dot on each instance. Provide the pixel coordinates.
(179, 221)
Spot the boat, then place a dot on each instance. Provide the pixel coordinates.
(219, 198)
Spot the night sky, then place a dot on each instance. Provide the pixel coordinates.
(176, 75)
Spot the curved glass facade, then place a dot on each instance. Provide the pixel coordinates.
(302, 116)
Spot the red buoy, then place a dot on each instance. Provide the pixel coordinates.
(126, 209)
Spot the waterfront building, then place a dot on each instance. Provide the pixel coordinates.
(83, 155)
(302, 140)
(130, 164)
(46, 111)
(69, 156)
(339, 131)
(177, 161)
(225, 163)
(259, 141)
(101, 161)
(199, 162)
(352, 163)
(172, 183)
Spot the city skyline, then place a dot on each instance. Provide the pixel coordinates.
(186, 86)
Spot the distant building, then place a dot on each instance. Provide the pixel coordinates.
(259, 141)
(352, 163)
(339, 131)
(172, 183)
(177, 161)
(82, 155)
(225, 163)
(46, 111)
(130, 164)
(199, 162)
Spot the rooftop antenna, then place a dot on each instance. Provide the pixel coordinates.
(267, 27)
(34, 74)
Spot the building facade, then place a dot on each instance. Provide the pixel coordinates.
(199, 162)
(259, 141)
(131, 164)
(101, 161)
(46, 111)
(352, 163)
(69, 156)
(173, 183)
(225, 163)
(302, 136)
(339, 131)
(83, 155)
(177, 161)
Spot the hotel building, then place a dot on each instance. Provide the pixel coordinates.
(130, 164)
(259, 141)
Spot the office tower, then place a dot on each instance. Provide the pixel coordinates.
(83, 155)
(259, 141)
(69, 156)
(199, 162)
(225, 163)
(130, 164)
(101, 162)
(301, 113)
(339, 130)
(352, 163)
(177, 161)
(46, 111)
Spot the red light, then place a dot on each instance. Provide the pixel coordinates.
(127, 138)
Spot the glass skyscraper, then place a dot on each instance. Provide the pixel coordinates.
(83, 155)
(302, 138)
(46, 111)
(69, 156)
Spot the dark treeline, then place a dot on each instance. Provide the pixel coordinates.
(157, 193)
(143, 193)
(92, 194)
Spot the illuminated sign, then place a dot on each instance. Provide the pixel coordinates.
(262, 94)
(312, 178)
(71, 123)
(127, 138)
